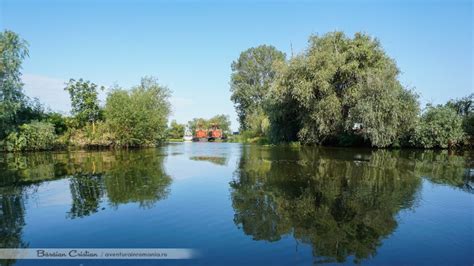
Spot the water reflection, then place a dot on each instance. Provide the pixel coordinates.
(342, 203)
(87, 191)
(115, 177)
(212, 159)
(444, 168)
(12, 211)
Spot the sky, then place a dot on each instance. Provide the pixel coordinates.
(190, 45)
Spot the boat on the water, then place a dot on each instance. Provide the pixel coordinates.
(212, 134)
(188, 136)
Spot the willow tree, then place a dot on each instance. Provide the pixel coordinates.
(341, 87)
(252, 75)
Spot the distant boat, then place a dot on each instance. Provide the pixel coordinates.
(188, 136)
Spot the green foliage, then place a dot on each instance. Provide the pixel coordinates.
(59, 122)
(140, 116)
(197, 123)
(258, 122)
(90, 136)
(35, 136)
(250, 137)
(465, 108)
(13, 50)
(468, 124)
(223, 121)
(252, 76)
(439, 127)
(337, 83)
(387, 112)
(176, 131)
(84, 101)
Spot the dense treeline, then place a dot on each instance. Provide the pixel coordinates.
(340, 91)
(130, 118)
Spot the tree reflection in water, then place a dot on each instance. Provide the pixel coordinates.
(12, 211)
(218, 160)
(341, 202)
(118, 177)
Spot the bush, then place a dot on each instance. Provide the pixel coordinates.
(139, 117)
(32, 137)
(176, 131)
(468, 124)
(97, 135)
(439, 127)
(59, 122)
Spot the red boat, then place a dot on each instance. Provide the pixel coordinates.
(211, 134)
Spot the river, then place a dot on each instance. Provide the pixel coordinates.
(240, 204)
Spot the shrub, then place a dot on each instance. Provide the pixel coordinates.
(34, 136)
(176, 131)
(468, 124)
(59, 122)
(139, 117)
(98, 135)
(439, 127)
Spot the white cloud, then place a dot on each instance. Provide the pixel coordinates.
(50, 91)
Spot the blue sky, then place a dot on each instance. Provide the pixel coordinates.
(190, 45)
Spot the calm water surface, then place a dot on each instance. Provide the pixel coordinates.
(243, 205)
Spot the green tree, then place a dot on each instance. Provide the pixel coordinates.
(59, 122)
(13, 50)
(252, 76)
(197, 123)
(139, 116)
(336, 84)
(222, 121)
(439, 127)
(176, 131)
(468, 125)
(465, 108)
(84, 100)
(258, 123)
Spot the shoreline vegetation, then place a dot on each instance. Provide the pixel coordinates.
(340, 91)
